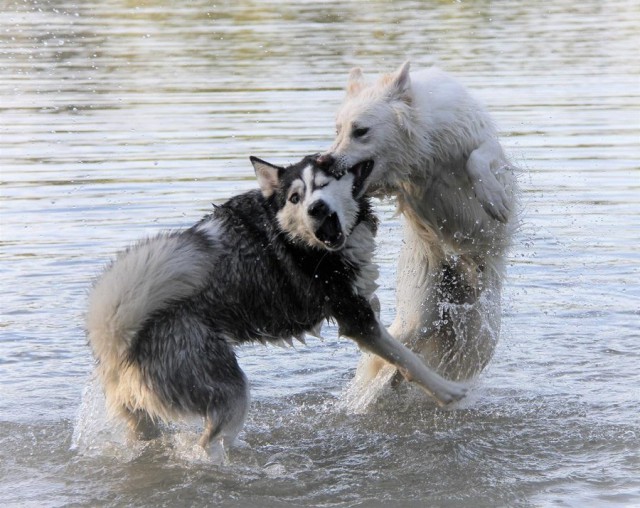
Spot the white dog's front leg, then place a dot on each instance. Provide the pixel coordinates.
(486, 186)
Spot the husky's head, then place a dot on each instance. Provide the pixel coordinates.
(316, 206)
(372, 125)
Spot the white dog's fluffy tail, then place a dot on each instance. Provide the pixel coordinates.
(142, 280)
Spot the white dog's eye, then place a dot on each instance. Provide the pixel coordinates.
(294, 198)
(360, 132)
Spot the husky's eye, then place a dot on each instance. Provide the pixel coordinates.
(360, 132)
(294, 198)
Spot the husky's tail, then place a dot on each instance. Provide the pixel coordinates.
(142, 280)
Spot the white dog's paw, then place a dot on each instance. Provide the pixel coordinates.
(488, 189)
(493, 198)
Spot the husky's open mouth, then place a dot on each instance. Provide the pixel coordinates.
(360, 172)
(330, 232)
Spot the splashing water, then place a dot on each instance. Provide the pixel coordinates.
(97, 434)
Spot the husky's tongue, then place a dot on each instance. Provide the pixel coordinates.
(330, 232)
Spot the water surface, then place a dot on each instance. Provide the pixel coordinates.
(119, 119)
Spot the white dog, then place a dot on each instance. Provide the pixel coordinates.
(434, 148)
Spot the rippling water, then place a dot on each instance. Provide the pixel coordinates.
(120, 118)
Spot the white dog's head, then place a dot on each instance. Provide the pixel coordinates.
(373, 124)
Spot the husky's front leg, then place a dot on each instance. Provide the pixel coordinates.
(411, 366)
(357, 321)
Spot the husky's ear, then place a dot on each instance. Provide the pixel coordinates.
(400, 84)
(355, 82)
(267, 175)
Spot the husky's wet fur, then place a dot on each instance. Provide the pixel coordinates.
(267, 265)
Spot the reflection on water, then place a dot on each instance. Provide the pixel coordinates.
(120, 118)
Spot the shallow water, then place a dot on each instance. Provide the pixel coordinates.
(122, 118)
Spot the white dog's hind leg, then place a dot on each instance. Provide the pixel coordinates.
(416, 309)
(482, 163)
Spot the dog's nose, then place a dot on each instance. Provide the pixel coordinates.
(325, 161)
(319, 210)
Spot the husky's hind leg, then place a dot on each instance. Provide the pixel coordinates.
(225, 419)
(212, 427)
(141, 426)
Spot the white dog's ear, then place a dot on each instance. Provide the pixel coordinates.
(267, 174)
(400, 84)
(355, 83)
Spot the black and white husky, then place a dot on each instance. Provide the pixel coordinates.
(268, 265)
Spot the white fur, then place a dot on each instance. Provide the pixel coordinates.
(211, 228)
(153, 272)
(360, 247)
(435, 149)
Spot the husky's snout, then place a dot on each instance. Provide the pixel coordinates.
(329, 229)
(319, 210)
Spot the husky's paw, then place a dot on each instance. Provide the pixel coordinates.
(449, 392)
(442, 390)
